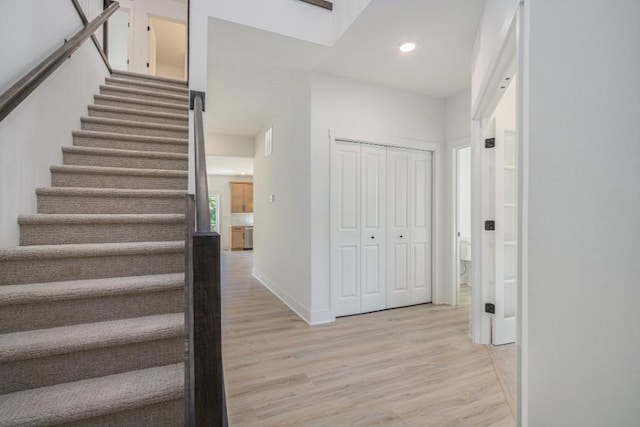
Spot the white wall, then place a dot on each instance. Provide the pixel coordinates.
(584, 204)
(31, 137)
(28, 34)
(230, 145)
(219, 184)
(142, 9)
(351, 108)
(344, 13)
(281, 233)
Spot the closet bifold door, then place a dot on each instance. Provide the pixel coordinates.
(399, 163)
(420, 171)
(345, 228)
(373, 193)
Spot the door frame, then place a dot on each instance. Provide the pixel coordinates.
(513, 51)
(411, 144)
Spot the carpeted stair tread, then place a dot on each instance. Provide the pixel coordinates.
(123, 158)
(133, 138)
(114, 152)
(128, 75)
(110, 170)
(130, 92)
(150, 86)
(90, 288)
(140, 104)
(104, 124)
(109, 192)
(67, 339)
(71, 228)
(78, 219)
(87, 250)
(136, 112)
(75, 401)
(131, 123)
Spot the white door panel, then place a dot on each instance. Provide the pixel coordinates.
(504, 243)
(398, 229)
(346, 218)
(373, 189)
(420, 229)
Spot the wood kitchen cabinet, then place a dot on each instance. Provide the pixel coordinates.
(237, 238)
(241, 197)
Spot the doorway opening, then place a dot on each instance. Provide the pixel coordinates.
(167, 48)
(463, 226)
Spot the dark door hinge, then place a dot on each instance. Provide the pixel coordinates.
(490, 225)
(490, 308)
(148, 28)
(489, 143)
(147, 65)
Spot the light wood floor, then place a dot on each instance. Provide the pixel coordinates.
(406, 367)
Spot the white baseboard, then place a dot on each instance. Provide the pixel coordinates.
(296, 306)
(319, 317)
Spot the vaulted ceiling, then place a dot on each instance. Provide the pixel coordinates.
(249, 69)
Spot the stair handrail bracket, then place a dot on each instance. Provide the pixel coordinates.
(13, 96)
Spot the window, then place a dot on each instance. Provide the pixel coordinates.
(214, 203)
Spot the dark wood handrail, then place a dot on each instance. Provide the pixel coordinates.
(203, 221)
(13, 96)
(320, 3)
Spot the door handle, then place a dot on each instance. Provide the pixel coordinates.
(401, 236)
(373, 237)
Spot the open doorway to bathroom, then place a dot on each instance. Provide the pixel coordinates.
(463, 226)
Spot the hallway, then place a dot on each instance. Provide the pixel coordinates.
(405, 367)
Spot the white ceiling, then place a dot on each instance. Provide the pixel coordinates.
(232, 166)
(251, 69)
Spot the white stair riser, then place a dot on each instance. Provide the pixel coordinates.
(135, 130)
(92, 180)
(66, 234)
(63, 368)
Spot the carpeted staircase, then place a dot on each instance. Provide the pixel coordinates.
(91, 302)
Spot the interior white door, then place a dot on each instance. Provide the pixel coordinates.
(345, 220)
(420, 202)
(504, 243)
(373, 208)
(399, 163)
(119, 37)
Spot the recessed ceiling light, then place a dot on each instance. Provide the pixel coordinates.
(407, 46)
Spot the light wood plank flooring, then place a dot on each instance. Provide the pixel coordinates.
(406, 367)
